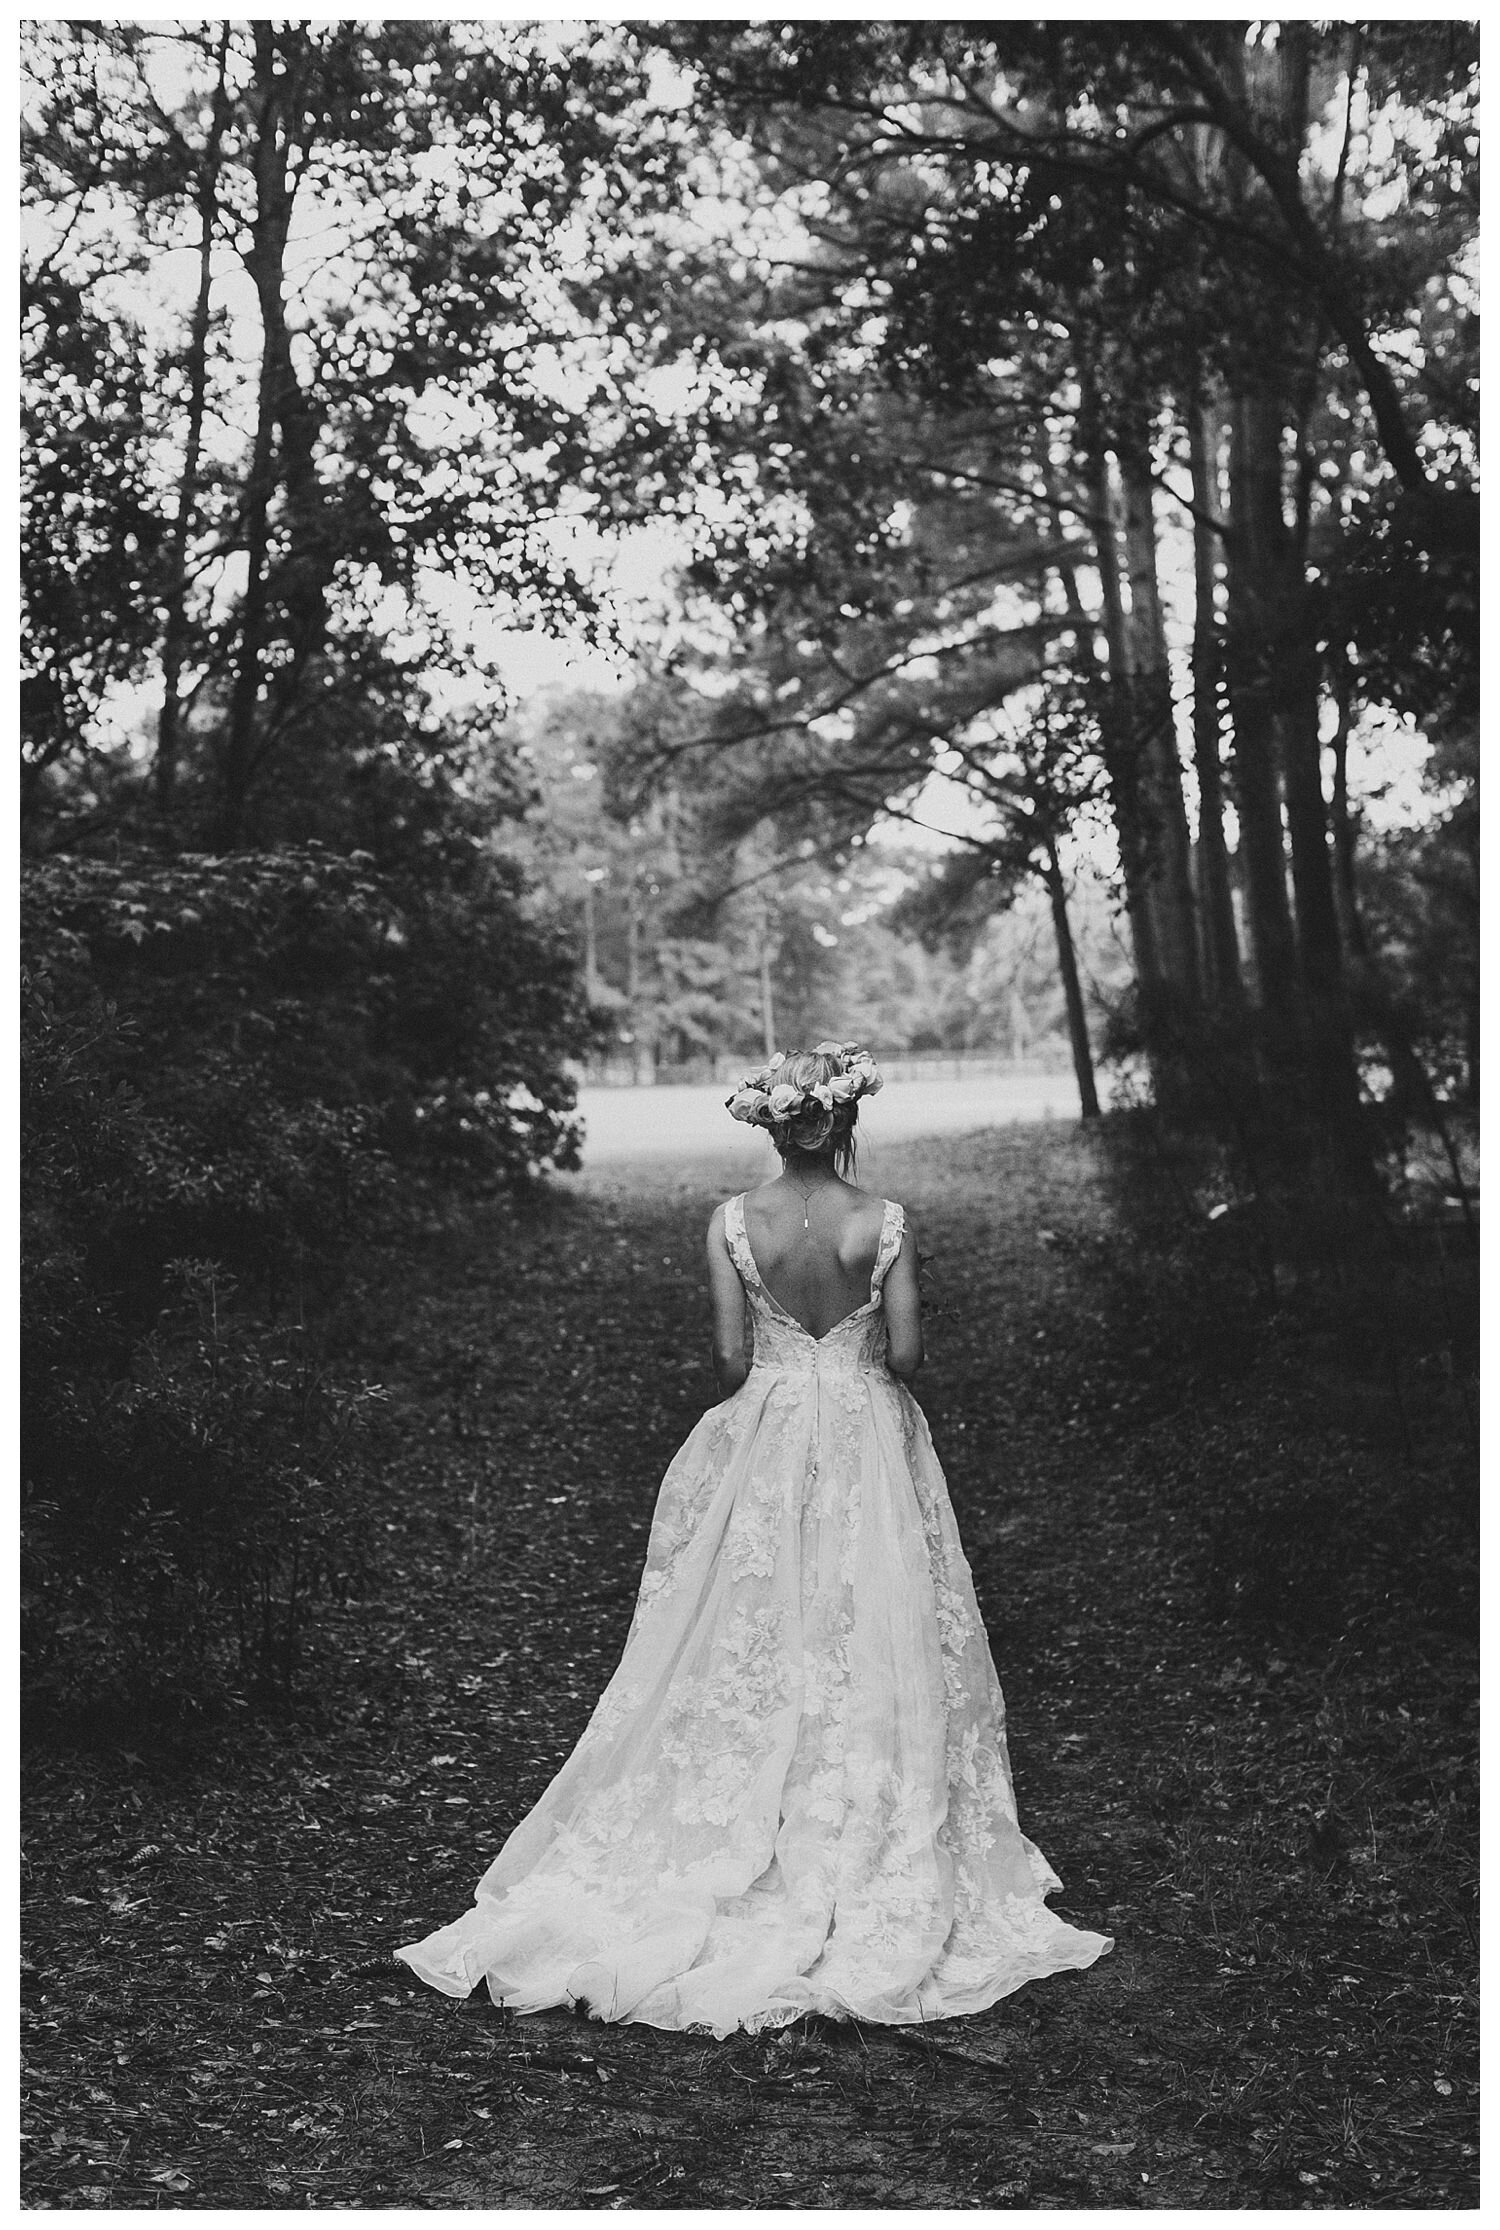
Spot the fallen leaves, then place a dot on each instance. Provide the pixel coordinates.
(1160, 1763)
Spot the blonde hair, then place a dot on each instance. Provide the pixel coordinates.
(807, 1099)
(810, 1131)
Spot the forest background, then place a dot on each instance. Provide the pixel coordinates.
(1007, 495)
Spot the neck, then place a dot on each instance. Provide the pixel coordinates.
(808, 1168)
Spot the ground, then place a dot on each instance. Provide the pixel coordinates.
(1273, 1816)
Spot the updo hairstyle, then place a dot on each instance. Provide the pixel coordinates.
(806, 1100)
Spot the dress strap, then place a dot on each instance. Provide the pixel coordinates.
(892, 1231)
(734, 1239)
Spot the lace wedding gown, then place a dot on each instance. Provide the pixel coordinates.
(794, 1795)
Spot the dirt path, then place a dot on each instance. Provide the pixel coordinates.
(1276, 1835)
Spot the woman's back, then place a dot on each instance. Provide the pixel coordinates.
(815, 1250)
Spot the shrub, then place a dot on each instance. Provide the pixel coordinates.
(188, 1479)
(225, 1062)
(179, 1525)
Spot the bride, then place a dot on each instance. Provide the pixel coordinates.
(794, 1795)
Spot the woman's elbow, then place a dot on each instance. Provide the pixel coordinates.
(906, 1357)
(730, 1369)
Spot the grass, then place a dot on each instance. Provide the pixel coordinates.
(1261, 1783)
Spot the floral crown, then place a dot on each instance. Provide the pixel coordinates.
(763, 1098)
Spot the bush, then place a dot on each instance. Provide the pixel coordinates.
(225, 1064)
(180, 1524)
(188, 1479)
(1317, 1376)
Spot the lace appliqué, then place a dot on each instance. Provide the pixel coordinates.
(794, 1795)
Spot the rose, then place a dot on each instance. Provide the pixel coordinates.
(775, 1061)
(823, 1094)
(841, 1088)
(873, 1082)
(747, 1105)
(785, 1100)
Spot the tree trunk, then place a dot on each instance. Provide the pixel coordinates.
(1320, 945)
(1274, 688)
(1252, 651)
(642, 1054)
(767, 1001)
(1067, 962)
(590, 943)
(1221, 946)
(265, 261)
(301, 580)
(175, 635)
(1331, 1056)
(1413, 1086)
(1118, 742)
(1259, 96)
(1150, 695)
(1018, 1026)
(1351, 921)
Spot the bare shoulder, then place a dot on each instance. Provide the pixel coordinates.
(875, 1205)
(872, 1203)
(716, 1231)
(867, 1214)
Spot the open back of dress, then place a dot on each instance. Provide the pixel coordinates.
(794, 1795)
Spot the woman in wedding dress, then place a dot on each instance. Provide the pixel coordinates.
(794, 1795)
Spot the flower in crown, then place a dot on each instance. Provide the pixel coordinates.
(765, 1098)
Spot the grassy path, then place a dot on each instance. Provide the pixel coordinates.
(1277, 1831)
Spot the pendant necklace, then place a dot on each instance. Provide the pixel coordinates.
(806, 1197)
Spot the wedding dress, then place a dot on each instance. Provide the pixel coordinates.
(794, 1795)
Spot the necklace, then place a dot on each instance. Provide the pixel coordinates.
(806, 1198)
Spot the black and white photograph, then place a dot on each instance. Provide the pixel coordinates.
(749, 1103)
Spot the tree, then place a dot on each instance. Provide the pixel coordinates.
(1107, 226)
(404, 415)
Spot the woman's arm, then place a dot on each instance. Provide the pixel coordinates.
(903, 1310)
(727, 1295)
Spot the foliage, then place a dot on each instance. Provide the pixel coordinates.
(180, 1524)
(1231, 1271)
(300, 994)
(410, 414)
(225, 1061)
(1032, 282)
(187, 1486)
(674, 903)
(91, 524)
(1421, 914)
